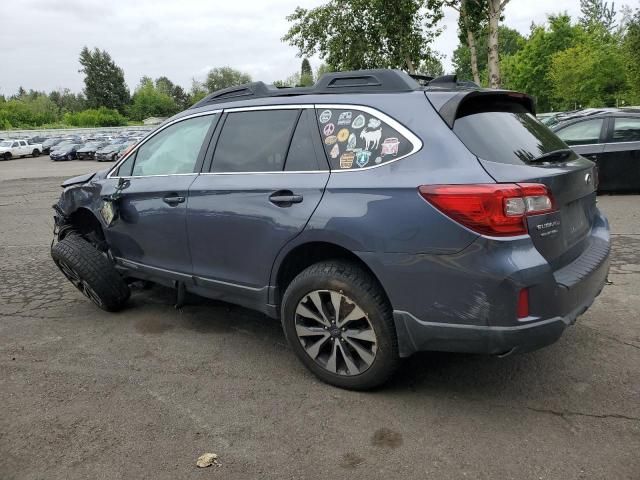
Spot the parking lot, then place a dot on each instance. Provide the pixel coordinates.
(143, 393)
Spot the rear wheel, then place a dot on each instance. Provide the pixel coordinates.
(7, 156)
(340, 325)
(36, 152)
(91, 272)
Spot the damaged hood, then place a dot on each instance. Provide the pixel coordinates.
(83, 178)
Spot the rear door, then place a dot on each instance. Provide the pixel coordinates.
(508, 141)
(266, 178)
(619, 165)
(585, 137)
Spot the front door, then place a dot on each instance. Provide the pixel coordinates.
(151, 228)
(266, 178)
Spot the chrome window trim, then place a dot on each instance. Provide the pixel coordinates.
(149, 137)
(415, 141)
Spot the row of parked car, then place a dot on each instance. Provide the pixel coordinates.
(100, 147)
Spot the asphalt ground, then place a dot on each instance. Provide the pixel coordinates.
(86, 394)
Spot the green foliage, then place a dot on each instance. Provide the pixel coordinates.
(101, 117)
(590, 74)
(66, 101)
(225, 77)
(28, 112)
(510, 42)
(356, 34)
(527, 70)
(104, 80)
(597, 13)
(151, 100)
(431, 66)
(631, 57)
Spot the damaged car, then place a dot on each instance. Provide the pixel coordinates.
(375, 216)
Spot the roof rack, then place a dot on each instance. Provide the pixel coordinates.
(358, 81)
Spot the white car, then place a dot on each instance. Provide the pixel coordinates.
(18, 148)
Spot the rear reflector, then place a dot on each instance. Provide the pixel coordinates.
(498, 209)
(523, 303)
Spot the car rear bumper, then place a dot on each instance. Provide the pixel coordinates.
(467, 302)
(417, 335)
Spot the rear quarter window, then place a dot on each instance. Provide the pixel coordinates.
(355, 139)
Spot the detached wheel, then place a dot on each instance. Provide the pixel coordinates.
(90, 272)
(35, 153)
(338, 322)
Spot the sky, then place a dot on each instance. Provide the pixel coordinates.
(40, 40)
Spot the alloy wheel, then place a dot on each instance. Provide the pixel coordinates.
(79, 283)
(335, 332)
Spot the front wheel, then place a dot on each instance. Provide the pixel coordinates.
(90, 272)
(7, 156)
(340, 325)
(35, 153)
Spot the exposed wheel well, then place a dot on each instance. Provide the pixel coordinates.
(307, 254)
(84, 222)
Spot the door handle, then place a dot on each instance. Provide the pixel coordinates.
(284, 198)
(173, 199)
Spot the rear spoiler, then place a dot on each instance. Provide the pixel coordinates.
(453, 105)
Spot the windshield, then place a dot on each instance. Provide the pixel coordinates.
(508, 137)
(5, 144)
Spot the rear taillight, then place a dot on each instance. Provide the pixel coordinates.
(498, 209)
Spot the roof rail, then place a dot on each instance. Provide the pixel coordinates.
(357, 81)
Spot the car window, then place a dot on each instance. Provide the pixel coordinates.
(173, 150)
(302, 155)
(626, 130)
(582, 133)
(355, 139)
(15, 144)
(254, 141)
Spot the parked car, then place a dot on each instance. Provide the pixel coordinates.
(49, 143)
(65, 151)
(374, 216)
(88, 150)
(611, 138)
(110, 152)
(18, 148)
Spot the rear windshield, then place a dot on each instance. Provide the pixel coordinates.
(514, 137)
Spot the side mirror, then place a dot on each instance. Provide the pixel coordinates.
(123, 183)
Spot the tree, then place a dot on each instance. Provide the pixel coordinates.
(164, 85)
(68, 101)
(596, 13)
(150, 101)
(360, 34)
(496, 7)
(510, 42)
(590, 74)
(631, 52)
(306, 74)
(104, 80)
(527, 70)
(225, 77)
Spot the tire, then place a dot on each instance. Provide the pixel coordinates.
(90, 272)
(338, 361)
(7, 156)
(35, 153)
(68, 157)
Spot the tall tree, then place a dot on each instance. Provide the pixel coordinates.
(150, 101)
(631, 51)
(595, 13)
(306, 74)
(496, 7)
(358, 34)
(104, 80)
(225, 77)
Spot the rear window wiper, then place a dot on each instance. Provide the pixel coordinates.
(560, 154)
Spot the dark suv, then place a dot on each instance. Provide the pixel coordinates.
(374, 216)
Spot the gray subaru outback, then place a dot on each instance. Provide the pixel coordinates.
(374, 215)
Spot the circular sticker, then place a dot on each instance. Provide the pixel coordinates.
(328, 129)
(330, 140)
(325, 116)
(343, 134)
(358, 122)
(335, 151)
(378, 159)
(346, 159)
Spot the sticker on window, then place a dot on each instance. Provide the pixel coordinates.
(359, 140)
